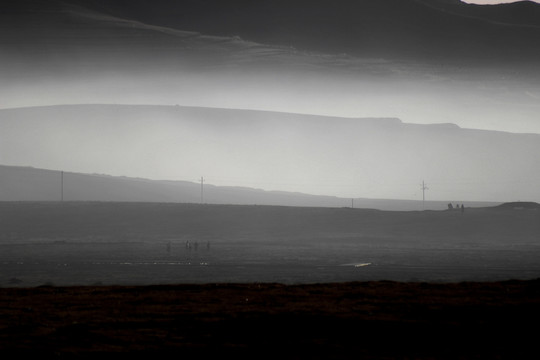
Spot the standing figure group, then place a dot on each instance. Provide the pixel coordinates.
(195, 245)
(458, 207)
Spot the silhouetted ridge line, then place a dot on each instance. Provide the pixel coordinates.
(394, 29)
(520, 205)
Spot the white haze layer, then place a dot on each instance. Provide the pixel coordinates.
(480, 103)
(376, 158)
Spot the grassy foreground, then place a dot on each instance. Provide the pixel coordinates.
(267, 320)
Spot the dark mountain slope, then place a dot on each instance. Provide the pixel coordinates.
(519, 205)
(32, 184)
(78, 39)
(434, 30)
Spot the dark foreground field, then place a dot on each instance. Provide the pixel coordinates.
(85, 279)
(100, 243)
(347, 320)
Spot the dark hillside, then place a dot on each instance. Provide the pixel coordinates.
(409, 29)
(433, 31)
(51, 221)
(519, 205)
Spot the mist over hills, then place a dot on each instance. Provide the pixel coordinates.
(343, 157)
(31, 184)
(422, 61)
(373, 73)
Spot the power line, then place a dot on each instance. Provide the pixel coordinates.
(424, 188)
(202, 190)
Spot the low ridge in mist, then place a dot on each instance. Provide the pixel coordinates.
(31, 184)
(343, 157)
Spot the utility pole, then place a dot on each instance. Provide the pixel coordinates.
(202, 189)
(424, 188)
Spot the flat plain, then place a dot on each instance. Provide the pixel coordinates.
(81, 279)
(88, 243)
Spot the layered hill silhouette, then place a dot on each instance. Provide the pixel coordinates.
(438, 61)
(32, 184)
(413, 29)
(419, 60)
(84, 36)
(344, 157)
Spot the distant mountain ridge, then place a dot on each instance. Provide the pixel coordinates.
(431, 30)
(393, 29)
(32, 184)
(520, 205)
(376, 158)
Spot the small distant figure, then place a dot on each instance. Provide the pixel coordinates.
(462, 208)
(450, 206)
(188, 245)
